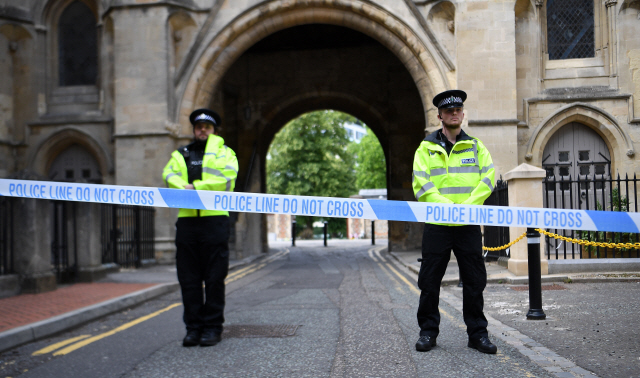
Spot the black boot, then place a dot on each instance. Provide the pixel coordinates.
(483, 344)
(192, 338)
(425, 343)
(210, 337)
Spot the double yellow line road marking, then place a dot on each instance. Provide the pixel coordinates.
(390, 271)
(254, 267)
(90, 340)
(387, 267)
(78, 342)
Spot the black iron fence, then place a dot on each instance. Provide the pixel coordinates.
(6, 235)
(64, 241)
(128, 234)
(600, 192)
(497, 236)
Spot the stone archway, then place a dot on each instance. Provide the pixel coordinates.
(307, 102)
(383, 74)
(226, 47)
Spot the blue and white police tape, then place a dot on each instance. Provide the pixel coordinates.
(409, 211)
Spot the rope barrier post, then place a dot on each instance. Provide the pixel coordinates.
(293, 233)
(535, 276)
(373, 232)
(325, 232)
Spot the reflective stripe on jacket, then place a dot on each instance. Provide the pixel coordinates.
(219, 173)
(466, 176)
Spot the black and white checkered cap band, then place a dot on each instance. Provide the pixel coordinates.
(205, 117)
(450, 100)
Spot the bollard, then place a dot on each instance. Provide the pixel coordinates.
(535, 277)
(325, 233)
(293, 233)
(373, 232)
(459, 278)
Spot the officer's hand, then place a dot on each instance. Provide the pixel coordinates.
(189, 186)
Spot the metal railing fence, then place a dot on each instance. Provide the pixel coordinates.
(600, 192)
(497, 236)
(128, 234)
(6, 235)
(64, 242)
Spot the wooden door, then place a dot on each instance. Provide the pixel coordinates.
(575, 159)
(75, 164)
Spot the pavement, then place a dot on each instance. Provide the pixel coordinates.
(498, 274)
(29, 317)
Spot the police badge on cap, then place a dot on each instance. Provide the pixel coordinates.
(450, 99)
(205, 115)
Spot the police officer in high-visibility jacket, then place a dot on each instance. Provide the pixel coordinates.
(202, 236)
(452, 167)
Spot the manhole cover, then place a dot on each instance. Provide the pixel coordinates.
(243, 330)
(543, 287)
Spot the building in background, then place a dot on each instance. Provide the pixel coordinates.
(355, 131)
(363, 228)
(100, 91)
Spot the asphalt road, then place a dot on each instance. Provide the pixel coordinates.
(595, 325)
(338, 311)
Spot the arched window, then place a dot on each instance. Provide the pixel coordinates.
(78, 46)
(570, 29)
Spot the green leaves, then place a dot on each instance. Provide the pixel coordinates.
(371, 170)
(309, 157)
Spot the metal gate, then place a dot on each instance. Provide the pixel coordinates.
(497, 236)
(6, 235)
(597, 193)
(578, 165)
(127, 235)
(64, 250)
(579, 152)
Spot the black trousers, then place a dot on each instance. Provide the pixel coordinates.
(466, 243)
(203, 257)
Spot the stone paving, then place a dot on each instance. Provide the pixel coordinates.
(30, 308)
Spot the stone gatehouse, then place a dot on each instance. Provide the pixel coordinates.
(101, 90)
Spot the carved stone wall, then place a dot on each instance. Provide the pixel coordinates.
(380, 60)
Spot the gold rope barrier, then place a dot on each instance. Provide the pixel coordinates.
(590, 243)
(567, 239)
(506, 245)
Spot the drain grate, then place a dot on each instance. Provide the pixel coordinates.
(245, 331)
(543, 287)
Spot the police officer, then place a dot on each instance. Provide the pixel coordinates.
(202, 236)
(452, 167)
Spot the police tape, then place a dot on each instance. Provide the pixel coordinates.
(408, 211)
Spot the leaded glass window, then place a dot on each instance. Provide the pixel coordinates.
(570, 29)
(78, 50)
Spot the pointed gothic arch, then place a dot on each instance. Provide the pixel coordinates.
(46, 152)
(617, 139)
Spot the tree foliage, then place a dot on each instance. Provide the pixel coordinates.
(371, 170)
(309, 157)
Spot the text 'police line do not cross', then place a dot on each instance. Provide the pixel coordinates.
(408, 211)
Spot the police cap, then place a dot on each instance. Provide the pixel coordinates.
(449, 99)
(205, 115)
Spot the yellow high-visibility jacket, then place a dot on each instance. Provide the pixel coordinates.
(465, 176)
(219, 173)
